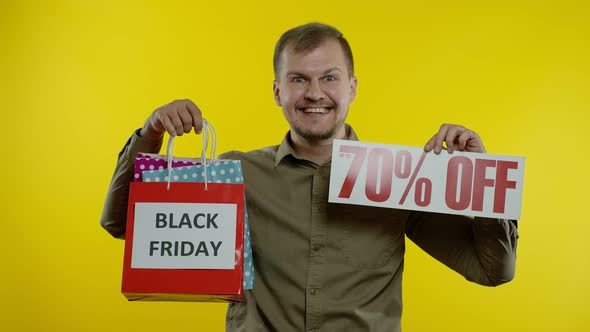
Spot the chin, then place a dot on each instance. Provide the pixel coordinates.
(311, 135)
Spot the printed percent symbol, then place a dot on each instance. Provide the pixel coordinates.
(423, 185)
(380, 162)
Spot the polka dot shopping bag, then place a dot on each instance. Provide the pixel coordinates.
(187, 237)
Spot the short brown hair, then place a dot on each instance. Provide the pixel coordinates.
(307, 37)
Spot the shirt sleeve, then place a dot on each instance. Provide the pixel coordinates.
(114, 212)
(483, 250)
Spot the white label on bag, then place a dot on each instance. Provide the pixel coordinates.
(184, 236)
(403, 177)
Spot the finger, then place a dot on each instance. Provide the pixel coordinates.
(430, 144)
(463, 138)
(176, 122)
(451, 136)
(186, 119)
(166, 123)
(440, 137)
(197, 116)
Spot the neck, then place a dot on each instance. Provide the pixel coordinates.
(319, 151)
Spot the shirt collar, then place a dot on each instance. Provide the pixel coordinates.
(286, 149)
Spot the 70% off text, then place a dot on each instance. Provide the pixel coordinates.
(465, 180)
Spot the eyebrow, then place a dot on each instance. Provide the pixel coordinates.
(324, 73)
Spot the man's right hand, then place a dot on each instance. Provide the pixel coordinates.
(176, 118)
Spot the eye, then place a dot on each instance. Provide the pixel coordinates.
(329, 78)
(298, 79)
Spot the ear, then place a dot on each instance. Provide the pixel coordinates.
(353, 84)
(276, 92)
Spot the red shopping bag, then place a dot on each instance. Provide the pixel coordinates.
(184, 243)
(185, 240)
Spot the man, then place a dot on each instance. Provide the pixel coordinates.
(319, 265)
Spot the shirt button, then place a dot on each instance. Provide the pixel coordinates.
(316, 247)
(314, 291)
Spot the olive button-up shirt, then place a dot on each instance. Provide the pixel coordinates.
(333, 267)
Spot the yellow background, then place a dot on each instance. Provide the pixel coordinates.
(77, 77)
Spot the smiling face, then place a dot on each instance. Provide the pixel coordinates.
(315, 89)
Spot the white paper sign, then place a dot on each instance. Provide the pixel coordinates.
(403, 177)
(184, 236)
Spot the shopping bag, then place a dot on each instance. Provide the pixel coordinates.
(153, 161)
(219, 171)
(185, 240)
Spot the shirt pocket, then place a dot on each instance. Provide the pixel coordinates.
(363, 236)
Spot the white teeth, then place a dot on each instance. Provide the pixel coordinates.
(315, 110)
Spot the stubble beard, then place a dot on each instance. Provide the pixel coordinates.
(316, 135)
(313, 136)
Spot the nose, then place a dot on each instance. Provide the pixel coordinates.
(314, 91)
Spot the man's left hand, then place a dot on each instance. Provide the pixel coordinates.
(457, 138)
